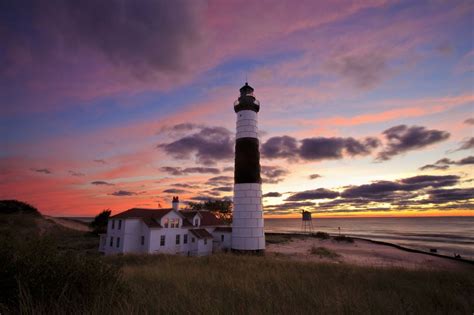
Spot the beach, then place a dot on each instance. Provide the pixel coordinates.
(357, 252)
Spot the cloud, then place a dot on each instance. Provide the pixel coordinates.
(122, 193)
(333, 148)
(466, 145)
(220, 180)
(320, 193)
(280, 147)
(175, 191)
(179, 130)
(273, 174)
(445, 163)
(177, 171)
(101, 182)
(364, 71)
(313, 149)
(437, 196)
(223, 189)
(141, 38)
(208, 145)
(469, 121)
(73, 173)
(185, 185)
(100, 161)
(42, 170)
(384, 190)
(272, 195)
(416, 192)
(314, 176)
(401, 139)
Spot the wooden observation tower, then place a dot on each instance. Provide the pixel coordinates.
(306, 223)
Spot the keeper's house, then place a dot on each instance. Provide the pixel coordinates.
(169, 231)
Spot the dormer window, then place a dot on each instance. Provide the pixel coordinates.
(166, 223)
(196, 222)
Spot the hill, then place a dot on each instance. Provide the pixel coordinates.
(20, 220)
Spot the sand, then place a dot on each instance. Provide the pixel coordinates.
(71, 224)
(361, 252)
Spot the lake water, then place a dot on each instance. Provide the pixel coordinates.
(448, 235)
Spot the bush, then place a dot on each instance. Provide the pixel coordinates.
(343, 238)
(322, 235)
(37, 278)
(323, 252)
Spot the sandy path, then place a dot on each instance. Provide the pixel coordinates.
(70, 224)
(362, 253)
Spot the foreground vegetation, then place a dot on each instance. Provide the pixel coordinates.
(42, 279)
(42, 275)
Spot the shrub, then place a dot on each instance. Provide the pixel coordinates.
(323, 252)
(343, 238)
(322, 235)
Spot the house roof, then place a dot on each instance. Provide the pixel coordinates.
(152, 217)
(201, 233)
(207, 217)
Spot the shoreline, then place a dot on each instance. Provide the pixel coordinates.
(400, 247)
(357, 251)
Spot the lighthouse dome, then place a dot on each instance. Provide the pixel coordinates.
(247, 100)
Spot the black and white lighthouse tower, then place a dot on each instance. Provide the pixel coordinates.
(247, 222)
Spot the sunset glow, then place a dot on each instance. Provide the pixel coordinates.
(367, 108)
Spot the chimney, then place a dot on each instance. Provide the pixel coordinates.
(176, 203)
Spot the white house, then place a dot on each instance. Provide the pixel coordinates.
(168, 231)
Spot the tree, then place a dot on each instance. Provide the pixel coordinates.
(99, 225)
(221, 208)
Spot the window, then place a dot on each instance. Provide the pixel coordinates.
(205, 241)
(174, 223)
(113, 224)
(111, 241)
(192, 239)
(118, 242)
(185, 239)
(178, 238)
(162, 240)
(166, 223)
(222, 237)
(196, 222)
(142, 241)
(120, 224)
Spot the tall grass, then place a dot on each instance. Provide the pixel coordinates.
(231, 284)
(38, 276)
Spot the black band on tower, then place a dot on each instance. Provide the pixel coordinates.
(247, 161)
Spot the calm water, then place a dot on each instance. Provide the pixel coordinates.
(447, 234)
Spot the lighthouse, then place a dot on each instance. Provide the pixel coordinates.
(247, 223)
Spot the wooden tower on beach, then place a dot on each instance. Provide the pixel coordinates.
(306, 222)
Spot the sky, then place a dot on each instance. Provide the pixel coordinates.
(367, 107)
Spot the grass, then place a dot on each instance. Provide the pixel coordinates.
(278, 238)
(228, 284)
(323, 252)
(56, 274)
(231, 284)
